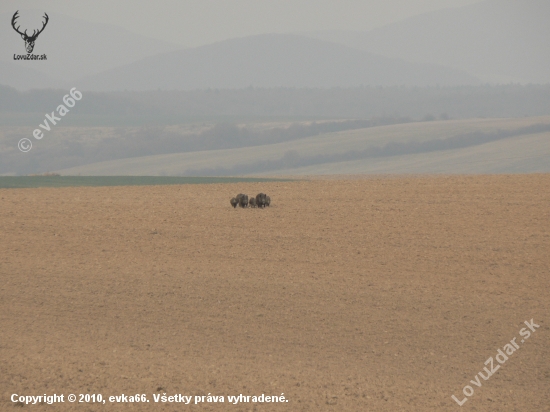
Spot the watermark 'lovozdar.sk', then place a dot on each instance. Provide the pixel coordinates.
(30, 57)
(501, 357)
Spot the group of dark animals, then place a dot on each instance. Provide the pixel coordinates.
(261, 200)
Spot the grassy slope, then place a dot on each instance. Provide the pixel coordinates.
(7, 182)
(522, 154)
(179, 163)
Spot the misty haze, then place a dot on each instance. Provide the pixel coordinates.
(327, 205)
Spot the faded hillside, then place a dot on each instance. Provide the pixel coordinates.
(115, 126)
(23, 77)
(76, 146)
(258, 104)
(271, 60)
(499, 41)
(505, 140)
(74, 47)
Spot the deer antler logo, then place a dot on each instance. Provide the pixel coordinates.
(29, 40)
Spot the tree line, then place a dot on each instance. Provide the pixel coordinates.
(58, 152)
(172, 107)
(292, 159)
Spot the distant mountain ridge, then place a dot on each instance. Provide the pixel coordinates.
(74, 48)
(271, 60)
(499, 41)
(25, 78)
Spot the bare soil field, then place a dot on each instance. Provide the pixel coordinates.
(374, 294)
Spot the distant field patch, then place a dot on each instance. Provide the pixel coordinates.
(13, 182)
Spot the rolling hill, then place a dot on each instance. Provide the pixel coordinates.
(456, 146)
(520, 154)
(498, 41)
(271, 60)
(26, 77)
(74, 47)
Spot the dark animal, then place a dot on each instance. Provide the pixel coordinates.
(242, 199)
(29, 40)
(252, 202)
(267, 200)
(234, 202)
(261, 199)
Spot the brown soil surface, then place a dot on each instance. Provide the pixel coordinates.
(380, 294)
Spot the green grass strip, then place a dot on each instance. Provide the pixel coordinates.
(15, 182)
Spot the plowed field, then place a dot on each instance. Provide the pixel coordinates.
(376, 294)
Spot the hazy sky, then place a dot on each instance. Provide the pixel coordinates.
(197, 22)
